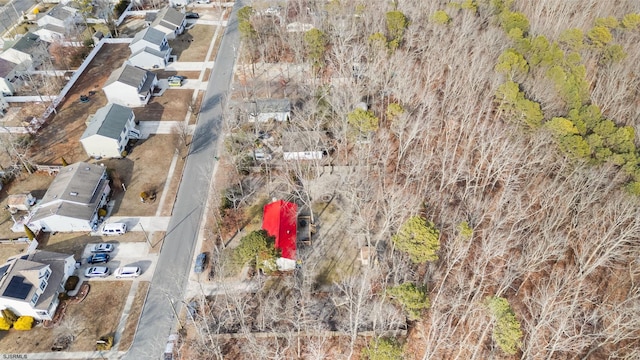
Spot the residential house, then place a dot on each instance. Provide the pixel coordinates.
(109, 131)
(149, 49)
(51, 33)
(30, 284)
(264, 110)
(280, 220)
(22, 51)
(61, 16)
(168, 20)
(73, 199)
(302, 145)
(8, 76)
(130, 86)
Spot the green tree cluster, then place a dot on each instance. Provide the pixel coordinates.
(363, 121)
(506, 331)
(254, 248)
(316, 43)
(441, 17)
(397, 23)
(413, 299)
(510, 20)
(512, 63)
(419, 238)
(247, 31)
(600, 36)
(383, 349)
(631, 21)
(516, 106)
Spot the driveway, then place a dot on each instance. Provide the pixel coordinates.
(125, 254)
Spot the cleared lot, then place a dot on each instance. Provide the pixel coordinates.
(192, 45)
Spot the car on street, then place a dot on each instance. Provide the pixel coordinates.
(200, 261)
(127, 272)
(203, 1)
(97, 271)
(98, 258)
(102, 248)
(191, 15)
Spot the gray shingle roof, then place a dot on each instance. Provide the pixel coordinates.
(26, 43)
(74, 193)
(150, 35)
(60, 12)
(6, 67)
(132, 76)
(154, 52)
(295, 141)
(268, 106)
(108, 121)
(169, 18)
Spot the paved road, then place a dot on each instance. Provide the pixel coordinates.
(10, 13)
(174, 263)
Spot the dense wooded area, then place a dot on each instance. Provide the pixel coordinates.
(495, 170)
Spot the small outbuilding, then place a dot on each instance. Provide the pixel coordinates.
(302, 145)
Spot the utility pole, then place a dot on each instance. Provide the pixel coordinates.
(145, 235)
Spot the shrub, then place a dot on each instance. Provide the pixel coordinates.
(23, 323)
(631, 21)
(513, 19)
(383, 349)
(412, 298)
(9, 315)
(4, 324)
(63, 296)
(600, 36)
(441, 17)
(71, 283)
(419, 238)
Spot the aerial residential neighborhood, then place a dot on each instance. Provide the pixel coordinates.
(280, 179)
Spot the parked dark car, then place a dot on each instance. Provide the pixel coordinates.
(192, 15)
(98, 258)
(200, 262)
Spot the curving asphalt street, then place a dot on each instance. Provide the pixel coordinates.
(170, 279)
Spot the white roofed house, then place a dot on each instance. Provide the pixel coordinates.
(8, 75)
(61, 16)
(109, 131)
(170, 21)
(264, 110)
(30, 284)
(51, 33)
(130, 86)
(149, 49)
(303, 145)
(73, 199)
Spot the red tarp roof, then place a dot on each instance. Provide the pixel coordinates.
(280, 220)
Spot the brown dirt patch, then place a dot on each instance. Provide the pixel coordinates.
(9, 250)
(193, 44)
(171, 106)
(60, 136)
(134, 315)
(81, 319)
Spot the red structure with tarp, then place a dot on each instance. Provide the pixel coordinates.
(280, 221)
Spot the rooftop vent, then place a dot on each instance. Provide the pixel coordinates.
(73, 193)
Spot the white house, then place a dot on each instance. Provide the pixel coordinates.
(61, 16)
(51, 33)
(8, 76)
(263, 110)
(302, 145)
(149, 49)
(109, 131)
(30, 284)
(73, 199)
(170, 21)
(130, 86)
(21, 51)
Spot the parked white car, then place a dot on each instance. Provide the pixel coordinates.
(97, 271)
(127, 272)
(102, 248)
